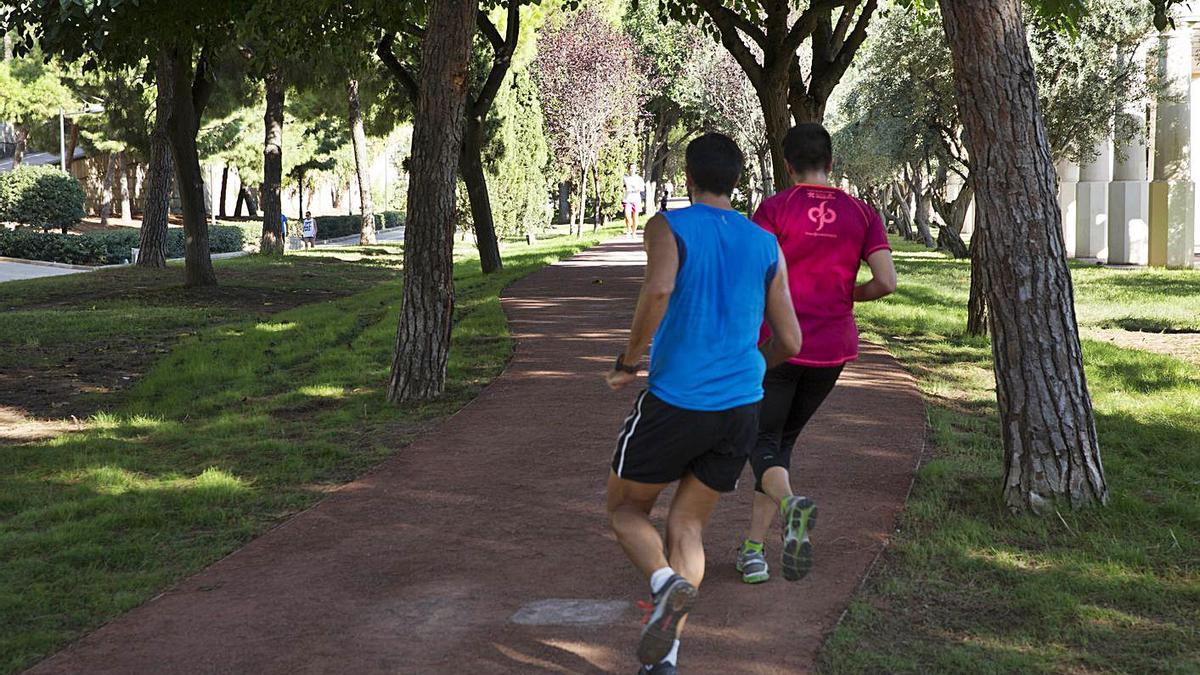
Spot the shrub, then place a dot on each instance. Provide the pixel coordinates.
(332, 227)
(117, 243)
(41, 196)
(28, 244)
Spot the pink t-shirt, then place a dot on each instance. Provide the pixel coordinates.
(825, 234)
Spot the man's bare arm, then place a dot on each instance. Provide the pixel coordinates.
(662, 264)
(786, 339)
(883, 277)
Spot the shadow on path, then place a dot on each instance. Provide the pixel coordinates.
(420, 566)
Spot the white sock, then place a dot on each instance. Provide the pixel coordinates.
(673, 655)
(659, 578)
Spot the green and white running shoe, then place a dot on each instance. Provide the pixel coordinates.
(751, 563)
(799, 516)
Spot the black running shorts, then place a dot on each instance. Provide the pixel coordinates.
(792, 394)
(659, 443)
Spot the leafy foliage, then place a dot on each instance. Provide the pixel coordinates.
(41, 196)
(107, 247)
(517, 157)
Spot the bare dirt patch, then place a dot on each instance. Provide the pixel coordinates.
(1185, 346)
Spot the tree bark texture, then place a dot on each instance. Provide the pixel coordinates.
(471, 168)
(922, 204)
(239, 202)
(272, 241)
(777, 120)
(954, 215)
(106, 188)
(153, 239)
(427, 306)
(1052, 454)
(191, 91)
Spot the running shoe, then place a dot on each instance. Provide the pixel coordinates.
(752, 564)
(799, 516)
(671, 604)
(660, 668)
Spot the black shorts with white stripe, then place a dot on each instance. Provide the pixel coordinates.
(659, 443)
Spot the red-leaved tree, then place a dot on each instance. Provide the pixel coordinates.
(585, 71)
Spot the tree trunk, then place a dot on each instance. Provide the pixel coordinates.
(252, 207)
(22, 137)
(8, 49)
(921, 201)
(72, 143)
(272, 242)
(237, 204)
(597, 206)
(583, 181)
(427, 307)
(952, 242)
(224, 189)
(362, 167)
(153, 239)
(185, 124)
(106, 188)
(126, 189)
(471, 168)
(777, 121)
(977, 301)
(1052, 454)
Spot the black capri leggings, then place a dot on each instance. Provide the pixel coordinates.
(791, 394)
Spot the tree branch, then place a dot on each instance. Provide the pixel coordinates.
(384, 50)
(727, 22)
(806, 24)
(202, 87)
(503, 49)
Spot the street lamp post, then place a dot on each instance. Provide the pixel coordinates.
(62, 130)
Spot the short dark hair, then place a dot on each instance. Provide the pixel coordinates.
(715, 163)
(808, 147)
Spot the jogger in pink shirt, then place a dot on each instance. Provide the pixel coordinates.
(825, 235)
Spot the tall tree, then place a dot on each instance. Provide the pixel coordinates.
(1052, 453)
(480, 98)
(31, 94)
(195, 37)
(362, 167)
(272, 186)
(153, 237)
(765, 38)
(584, 56)
(427, 307)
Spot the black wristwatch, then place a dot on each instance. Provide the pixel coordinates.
(623, 367)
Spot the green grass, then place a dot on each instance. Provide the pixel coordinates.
(968, 587)
(247, 420)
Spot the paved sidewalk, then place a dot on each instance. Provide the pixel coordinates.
(16, 271)
(448, 557)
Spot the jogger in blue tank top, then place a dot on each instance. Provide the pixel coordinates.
(711, 278)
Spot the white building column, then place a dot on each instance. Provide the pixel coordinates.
(1172, 192)
(1068, 179)
(1129, 194)
(1091, 228)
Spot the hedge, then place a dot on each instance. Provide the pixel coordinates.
(106, 247)
(41, 196)
(332, 227)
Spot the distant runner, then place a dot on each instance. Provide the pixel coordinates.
(825, 235)
(308, 228)
(711, 277)
(632, 205)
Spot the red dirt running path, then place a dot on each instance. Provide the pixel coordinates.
(420, 566)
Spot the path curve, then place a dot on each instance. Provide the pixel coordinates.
(420, 566)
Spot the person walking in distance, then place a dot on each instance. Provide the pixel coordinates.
(632, 204)
(308, 228)
(825, 235)
(711, 278)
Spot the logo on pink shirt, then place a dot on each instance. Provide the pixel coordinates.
(822, 215)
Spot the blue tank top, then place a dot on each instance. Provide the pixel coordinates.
(705, 354)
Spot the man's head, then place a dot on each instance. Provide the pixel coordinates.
(808, 148)
(714, 164)
(308, 214)
(632, 169)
